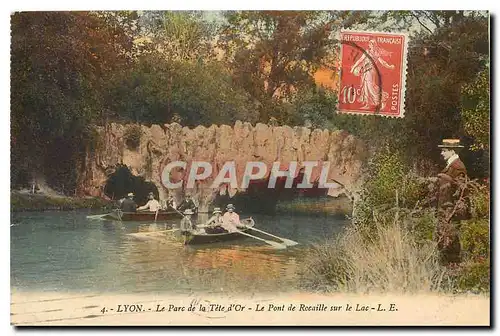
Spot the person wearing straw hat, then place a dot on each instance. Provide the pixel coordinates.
(128, 204)
(454, 173)
(231, 219)
(152, 205)
(455, 168)
(215, 223)
(216, 218)
(451, 207)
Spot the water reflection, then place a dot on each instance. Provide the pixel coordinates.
(112, 226)
(241, 266)
(102, 256)
(153, 227)
(202, 218)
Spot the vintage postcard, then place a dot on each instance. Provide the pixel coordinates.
(260, 168)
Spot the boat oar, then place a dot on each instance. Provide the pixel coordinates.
(272, 243)
(96, 216)
(179, 212)
(287, 242)
(119, 212)
(155, 235)
(156, 214)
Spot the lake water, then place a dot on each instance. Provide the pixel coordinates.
(65, 251)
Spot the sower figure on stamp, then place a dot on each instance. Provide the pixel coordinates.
(450, 197)
(366, 66)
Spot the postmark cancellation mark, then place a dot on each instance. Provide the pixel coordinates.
(373, 73)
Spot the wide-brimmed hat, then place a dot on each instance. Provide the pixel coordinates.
(188, 212)
(217, 210)
(230, 206)
(130, 194)
(450, 143)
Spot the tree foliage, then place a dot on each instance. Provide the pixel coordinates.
(157, 90)
(274, 53)
(182, 35)
(476, 110)
(60, 64)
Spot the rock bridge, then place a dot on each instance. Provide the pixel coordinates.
(159, 145)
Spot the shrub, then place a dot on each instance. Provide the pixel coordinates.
(388, 259)
(473, 276)
(133, 136)
(475, 238)
(474, 272)
(480, 201)
(391, 184)
(389, 245)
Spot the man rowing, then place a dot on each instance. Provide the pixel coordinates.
(152, 205)
(188, 203)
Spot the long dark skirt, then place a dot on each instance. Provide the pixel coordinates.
(216, 229)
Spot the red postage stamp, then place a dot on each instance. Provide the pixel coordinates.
(373, 73)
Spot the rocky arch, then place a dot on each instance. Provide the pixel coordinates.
(241, 143)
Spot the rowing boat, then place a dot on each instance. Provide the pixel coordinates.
(141, 215)
(201, 237)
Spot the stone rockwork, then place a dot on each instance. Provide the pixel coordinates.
(241, 143)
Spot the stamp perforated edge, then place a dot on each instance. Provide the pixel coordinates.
(404, 70)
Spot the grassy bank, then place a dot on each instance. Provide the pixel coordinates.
(392, 256)
(316, 206)
(387, 258)
(36, 202)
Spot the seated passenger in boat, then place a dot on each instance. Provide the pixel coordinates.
(214, 224)
(187, 226)
(231, 220)
(152, 205)
(128, 204)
